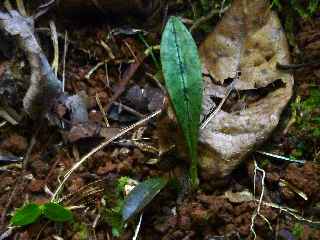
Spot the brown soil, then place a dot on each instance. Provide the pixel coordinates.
(205, 214)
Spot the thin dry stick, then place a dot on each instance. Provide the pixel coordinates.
(98, 148)
(156, 80)
(21, 8)
(214, 113)
(129, 109)
(95, 68)
(108, 49)
(2, 124)
(206, 18)
(290, 211)
(136, 232)
(131, 51)
(107, 75)
(54, 37)
(102, 110)
(66, 45)
(281, 157)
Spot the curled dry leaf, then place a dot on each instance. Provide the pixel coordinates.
(249, 40)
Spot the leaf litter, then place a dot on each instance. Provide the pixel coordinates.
(206, 215)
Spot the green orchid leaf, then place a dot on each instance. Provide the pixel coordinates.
(182, 71)
(26, 215)
(141, 196)
(57, 213)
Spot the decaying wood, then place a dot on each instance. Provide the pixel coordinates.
(44, 85)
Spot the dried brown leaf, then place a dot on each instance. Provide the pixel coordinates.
(249, 40)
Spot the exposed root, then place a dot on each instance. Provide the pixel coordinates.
(257, 211)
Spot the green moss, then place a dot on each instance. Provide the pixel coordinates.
(305, 132)
(306, 113)
(305, 9)
(81, 230)
(297, 230)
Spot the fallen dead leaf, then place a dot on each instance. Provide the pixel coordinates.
(249, 40)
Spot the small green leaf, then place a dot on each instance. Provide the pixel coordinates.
(141, 196)
(183, 75)
(26, 215)
(56, 212)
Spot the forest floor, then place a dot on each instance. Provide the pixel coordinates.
(204, 214)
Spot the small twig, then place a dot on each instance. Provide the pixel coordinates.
(95, 68)
(7, 117)
(98, 148)
(149, 50)
(212, 114)
(222, 7)
(107, 75)
(21, 8)
(66, 45)
(129, 109)
(7, 233)
(290, 211)
(124, 80)
(194, 11)
(297, 66)
(102, 110)
(43, 9)
(284, 183)
(54, 38)
(136, 232)
(108, 49)
(206, 18)
(156, 80)
(131, 51)
(2, 124)
(46, 5)
(281, 157)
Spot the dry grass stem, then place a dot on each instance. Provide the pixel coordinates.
(98, 148)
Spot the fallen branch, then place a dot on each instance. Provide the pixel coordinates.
(44, 85)
(124, 80)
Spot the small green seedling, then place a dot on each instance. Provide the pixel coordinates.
(115, 200)
(141, 196)
(26, 215)
(182, 71)
(126, 207)
(31, 212)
